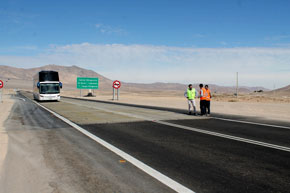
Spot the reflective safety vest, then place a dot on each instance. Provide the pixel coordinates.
(202, 97)
(206, 94)
(191, 94)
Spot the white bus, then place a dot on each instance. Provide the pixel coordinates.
(46, 86)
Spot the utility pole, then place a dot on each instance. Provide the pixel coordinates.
(237, 86)
(274, 89)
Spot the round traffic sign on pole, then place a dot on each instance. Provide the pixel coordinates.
(1, 84)
(116, 84)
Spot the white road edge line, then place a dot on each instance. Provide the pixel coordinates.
(250, 141)
(19, 98)
(252, 123)
(147, 169)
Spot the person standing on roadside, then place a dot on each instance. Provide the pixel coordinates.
(190, 94)
(202, 99)
(207, 96)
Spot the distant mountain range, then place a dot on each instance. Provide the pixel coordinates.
(284, 91)
(68, 75)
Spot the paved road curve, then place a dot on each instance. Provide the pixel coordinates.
(201, 162)
(46, 155)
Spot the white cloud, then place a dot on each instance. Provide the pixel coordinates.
(278, 37)
(147, 63)
(106, 29)
(198, 35)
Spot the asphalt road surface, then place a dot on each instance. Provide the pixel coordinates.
(204, 154)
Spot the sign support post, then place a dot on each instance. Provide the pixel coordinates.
(113, 93)
(1, 86)
(118, 94)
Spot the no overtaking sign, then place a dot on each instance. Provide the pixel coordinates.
(116, 84)
(1, 84)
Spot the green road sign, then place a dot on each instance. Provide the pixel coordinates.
(87, 83)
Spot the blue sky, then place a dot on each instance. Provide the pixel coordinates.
(168, 41)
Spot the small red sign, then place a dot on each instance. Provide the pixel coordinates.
(116, 84)
(1, 84)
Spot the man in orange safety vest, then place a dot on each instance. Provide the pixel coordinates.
(202, 99)
(207, 96)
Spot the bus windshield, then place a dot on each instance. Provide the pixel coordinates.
(49, 88)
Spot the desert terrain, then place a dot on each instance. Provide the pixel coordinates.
(247, 105)
(266, 104)
(6, 106)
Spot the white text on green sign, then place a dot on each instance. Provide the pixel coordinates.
(87, 83)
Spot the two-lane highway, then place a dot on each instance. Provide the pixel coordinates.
(47, 155)
(181, 147)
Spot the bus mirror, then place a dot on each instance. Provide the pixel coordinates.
(60, 84)
(38, 85)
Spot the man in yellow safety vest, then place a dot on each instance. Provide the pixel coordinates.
(190, 94)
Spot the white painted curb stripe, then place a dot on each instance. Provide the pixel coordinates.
(147, 169)
(252, 123)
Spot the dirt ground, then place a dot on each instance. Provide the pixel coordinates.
(267, 107)
(6, 106)
(255, 104)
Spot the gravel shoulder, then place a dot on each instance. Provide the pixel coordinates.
(261, 110)
(6, 106)
(46, 155)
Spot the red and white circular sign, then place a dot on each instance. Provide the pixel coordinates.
(1, 84)
(116, 84)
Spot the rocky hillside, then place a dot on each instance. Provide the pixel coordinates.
(284, 91)
(68, 75)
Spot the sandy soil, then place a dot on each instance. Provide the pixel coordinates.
(255, 104)
(22, 169)
(6, 106)
(247, 105)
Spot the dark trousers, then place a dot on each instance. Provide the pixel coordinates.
(207, 107)
(202, 106)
